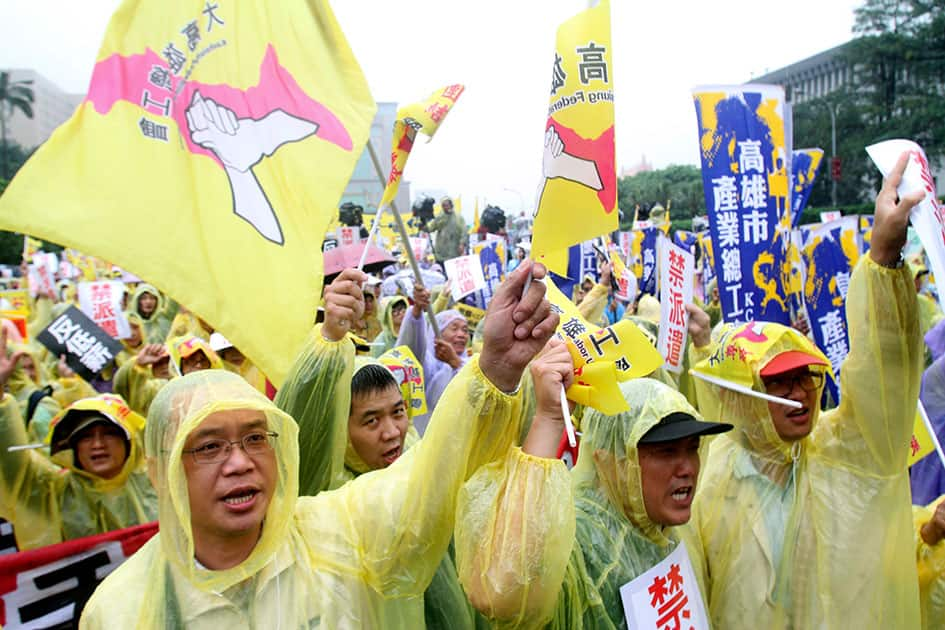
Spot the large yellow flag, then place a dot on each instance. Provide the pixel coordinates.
(208, 158)
(578, 197)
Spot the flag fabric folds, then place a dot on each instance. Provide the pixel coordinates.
(208, 158)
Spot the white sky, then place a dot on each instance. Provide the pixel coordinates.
(502, 51)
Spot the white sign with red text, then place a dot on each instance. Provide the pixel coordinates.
(677, 267)
(419, 245)
(348, 235)
(928, 217)
(827, 217)
(465, 274)
(101, 302)
(666, 596)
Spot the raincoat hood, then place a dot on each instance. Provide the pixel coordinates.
(20, 384)
(134, 318)
(140, 290)
(115, 410)
(738, 356)
(182, 347)
(178, 409)
(387, 313)
(649, 308)
(445, 318)
(609, 461)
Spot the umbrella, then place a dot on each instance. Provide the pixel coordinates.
(342, 257)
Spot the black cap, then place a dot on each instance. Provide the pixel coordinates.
(679, 425)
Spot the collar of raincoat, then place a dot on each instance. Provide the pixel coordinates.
(353, 461)
(738, 355)
(187, 345)
(141, 289)
(618, 477)
(387, 315)
(178, 409)
(115, 409)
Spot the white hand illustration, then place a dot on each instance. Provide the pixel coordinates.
(240, 144)
(555, 163)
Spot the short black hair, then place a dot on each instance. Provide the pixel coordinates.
(372, 378)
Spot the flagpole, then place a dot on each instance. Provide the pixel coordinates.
(741, 389)
(399, 224)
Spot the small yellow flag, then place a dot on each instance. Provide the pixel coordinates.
(921, 443)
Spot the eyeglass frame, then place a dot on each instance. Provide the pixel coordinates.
(228, 449)
(817, 377)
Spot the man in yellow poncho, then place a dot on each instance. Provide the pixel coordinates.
(539, 548)
(804, 518)
(94, 483)
(238, 547)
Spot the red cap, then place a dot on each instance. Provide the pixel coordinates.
(790, 360)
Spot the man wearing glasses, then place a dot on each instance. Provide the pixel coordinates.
(804, 516)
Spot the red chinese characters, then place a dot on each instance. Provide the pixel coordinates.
(669, 599)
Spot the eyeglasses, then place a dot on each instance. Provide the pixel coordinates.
(784, 385)
(216, 451)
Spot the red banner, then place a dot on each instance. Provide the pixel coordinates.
(48, 587)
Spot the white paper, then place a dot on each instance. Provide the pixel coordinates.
(465, 274)
(928, 218)
(103, 311)
(675, 293)
(827, 217)
(674, 595)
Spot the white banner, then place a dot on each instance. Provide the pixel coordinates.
(348, 235)
(465, 274)
(827, 217)
(666, 596)
(101, 302)
(928, 218)
(677, 267)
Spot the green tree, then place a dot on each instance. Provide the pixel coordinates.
(14, 95)
(679, 185)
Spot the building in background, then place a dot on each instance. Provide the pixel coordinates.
(364, 188)
(51, 108)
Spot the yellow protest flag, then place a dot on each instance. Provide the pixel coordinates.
(921, 443)
(218, 137)
(30, 247)
(578, 198)
(408, 372)
(475, 226)
(424, 117)
(622, 347)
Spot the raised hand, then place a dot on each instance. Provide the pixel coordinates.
(344, 304)
(891, 216)
(7, 363)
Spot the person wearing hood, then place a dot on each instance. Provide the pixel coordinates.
(133, 344)
(537, 547)
(368, 326)
(929, 521)
(804, 519)
(237, 362)
(238, 547)
(156, 311)
(92, 482)
(191, 353)
(394, 309)
(443, 359)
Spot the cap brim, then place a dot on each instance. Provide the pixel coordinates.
(683, 429)
(790, 360)
(64, 433)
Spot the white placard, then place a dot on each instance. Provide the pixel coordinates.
(642, 225)
(419, 246)
(101, 302)
(827, 217)
(465, 274)
(928, 218)
(666, 596)
(348, 235)
(677, 267)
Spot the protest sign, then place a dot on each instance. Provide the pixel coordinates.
(928, 217)
(88, 348)
(15, 300)
(101, 301)
(420, 246)
(745, 174)
(642, 225)
(677, 268)
(832, 215)
(472, 314)
(408, 372)
(491, 253)
(666, 596)
(465, 274)
(49, 586)
(804, 167)
(348, 235)
(41, 279)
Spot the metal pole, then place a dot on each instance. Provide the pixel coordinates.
(399, 224)
(833, 150)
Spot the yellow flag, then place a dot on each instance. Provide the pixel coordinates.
(30, 247)
(578, 199)
(622, 347)
(208, 159)
(921, 443)
(408, 372)
(475, 227)
(424, 117)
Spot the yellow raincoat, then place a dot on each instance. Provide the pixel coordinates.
(350, 558)
(539, 548)
(48, 503)
(820, 535)
(388, 337)
(158, 324)
(931, 565)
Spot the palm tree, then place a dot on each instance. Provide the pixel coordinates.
(14, 95)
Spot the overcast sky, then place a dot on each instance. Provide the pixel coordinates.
(502, 51)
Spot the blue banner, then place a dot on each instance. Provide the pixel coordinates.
(642, 260)
(747, 193)
(685, 239)
(804, 166)
(829, 253)
(706, 263)
(493, 264)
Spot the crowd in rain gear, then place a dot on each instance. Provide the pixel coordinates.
(309, 566)
(50, 500)
(574, 539)
(450, 237)
(818, 533)
(388, 337)
(157, 323)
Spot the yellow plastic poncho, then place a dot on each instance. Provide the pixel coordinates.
(539, 548)
(388, 337)
(593, 305)
(137, 385)
(820, 535)
(48, 503)
(349, 558)
(158, 324)
(181, 347)
(930, 561)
